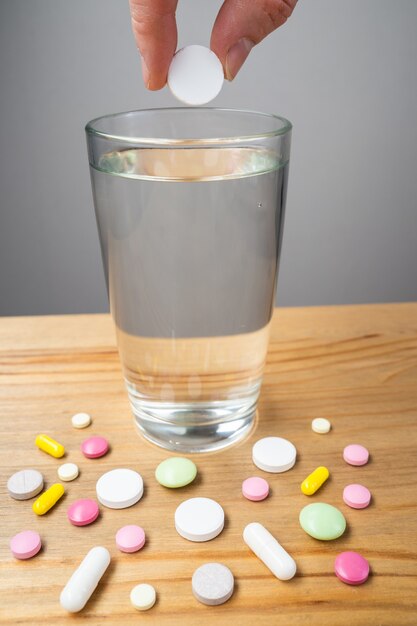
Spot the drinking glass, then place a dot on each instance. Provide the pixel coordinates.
(190, 210)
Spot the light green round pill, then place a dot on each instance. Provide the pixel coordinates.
(176, 472)
(322, 521)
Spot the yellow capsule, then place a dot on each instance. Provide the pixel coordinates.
(47, 500)
(313, 482)
(50, 446)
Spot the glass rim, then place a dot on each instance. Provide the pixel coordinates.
(285, 128)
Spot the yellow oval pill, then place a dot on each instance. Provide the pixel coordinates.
(50, 446)
(47, 500)
(313, 482)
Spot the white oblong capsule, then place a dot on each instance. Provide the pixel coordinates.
(267, 548)
(85, 579)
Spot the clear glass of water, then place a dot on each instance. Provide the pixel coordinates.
(190, 210)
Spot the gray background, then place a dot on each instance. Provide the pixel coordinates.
(343, 72)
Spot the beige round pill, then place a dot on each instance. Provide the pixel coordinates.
(81, 420)
(143, 597)
(68, 471)
(321, 425)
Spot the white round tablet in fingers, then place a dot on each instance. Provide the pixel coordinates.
(199, 519)
(274, 454)
(119, 488)
(25, 484)
(81, 420)
(321, 425)
(143, 597)
(195, 75)
(212, 583)
(68, 471)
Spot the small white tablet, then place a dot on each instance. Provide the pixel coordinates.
(119, 488)
(195, 75)
(274, 454)
(199, 519)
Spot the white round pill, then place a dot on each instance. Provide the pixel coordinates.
(68, 471)
(274, 454)
(321, 425)
(143, 597)
(119, 488)
(212, 583)
(199, 519)
(81, 420)
(25, 484)
(195, 75)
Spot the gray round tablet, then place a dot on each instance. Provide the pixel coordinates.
(213, 583)
(25, 484)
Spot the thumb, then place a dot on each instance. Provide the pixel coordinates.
(241, 24)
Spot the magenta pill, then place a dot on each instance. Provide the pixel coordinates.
(255, 488)
(130, 538)
(26, 544)
(352, 568)
(83, 512)
(356, 496)
(94, 447)
(356, 454)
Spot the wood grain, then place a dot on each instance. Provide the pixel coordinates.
(356, 365)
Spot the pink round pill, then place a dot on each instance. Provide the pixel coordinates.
(130, 538)
(94, 447)
(83, 512)
(352, 568)
(255, 488)
(26, 544)
(356, 454)
(356, 496)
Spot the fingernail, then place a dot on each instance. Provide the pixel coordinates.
(145, 73)
(236, 56)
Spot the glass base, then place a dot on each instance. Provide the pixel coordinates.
(194, 427)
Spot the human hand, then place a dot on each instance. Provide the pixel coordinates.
(240, 25)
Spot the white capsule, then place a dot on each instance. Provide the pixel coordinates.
(267, 548)
(85, 579)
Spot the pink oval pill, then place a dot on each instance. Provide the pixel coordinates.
(356, 454)
(130, 538)
(352, 568)
(26, 544)
(83, 512)
(255, 488)
(94, 447)
(356, 496)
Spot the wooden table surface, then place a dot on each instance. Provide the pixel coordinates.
(356, 365)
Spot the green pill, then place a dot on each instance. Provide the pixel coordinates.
(176, 472)
(322, 521)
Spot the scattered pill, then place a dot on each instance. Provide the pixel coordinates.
(255, 488)
(320, 425)
(314, 481)
(119, 488)
(85, 579)
(354, 454)
(50, 446)
(130, 538)
(25, 484)
(26, 544)
(274, 454)
(195, 75)
(83, 512)
(81, 420)
(322, 521)
(356, 496)
(352, 568)
(94, 447)
(269, 551)
(213, 583)
(68, 472)
(48, 499)
(176, 472)
(143, 597)
(199, 519)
